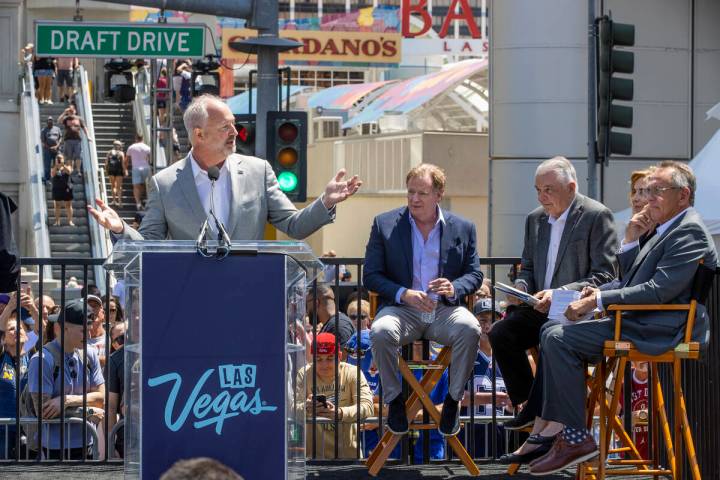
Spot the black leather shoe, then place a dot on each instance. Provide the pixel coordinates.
(519, 422)
(510, 458)
(537, 439)
(449, 418)
(397, 421)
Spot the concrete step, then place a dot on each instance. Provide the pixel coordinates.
(62, 238)
(48, 286)
(77, 204)
(83, 248)
(65, 229)
(78, 254)
(78, 220)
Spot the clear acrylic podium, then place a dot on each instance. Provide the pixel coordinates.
(212, 352)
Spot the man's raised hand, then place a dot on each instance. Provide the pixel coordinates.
(338, 190)
(106, 216)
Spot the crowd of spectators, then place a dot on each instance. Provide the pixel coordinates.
(356, 347)
(66, 336)
(339, 342)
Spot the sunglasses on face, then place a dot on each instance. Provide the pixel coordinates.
(120, 339)
(354, 316)
(355, 353)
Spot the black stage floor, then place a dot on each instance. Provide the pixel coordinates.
(333, 471)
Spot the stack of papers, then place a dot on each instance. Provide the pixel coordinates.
(560, 301)
(519, 294)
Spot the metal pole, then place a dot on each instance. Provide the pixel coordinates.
(591, 103)
(267, 84)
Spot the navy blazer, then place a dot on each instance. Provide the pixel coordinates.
(389, 256)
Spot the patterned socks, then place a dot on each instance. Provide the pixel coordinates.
(575, 436)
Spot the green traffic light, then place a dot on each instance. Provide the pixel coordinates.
(288, 181)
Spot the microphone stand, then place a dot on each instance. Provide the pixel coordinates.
(223, 239)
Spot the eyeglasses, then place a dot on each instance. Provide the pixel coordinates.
(354, 353)
(652, 192)
(54, 310)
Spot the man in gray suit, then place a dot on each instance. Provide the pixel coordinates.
(246, 193)
(658, 259)
(570, 242)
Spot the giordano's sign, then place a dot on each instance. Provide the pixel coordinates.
(326, 46)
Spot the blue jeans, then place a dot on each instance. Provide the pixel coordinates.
(48, 160)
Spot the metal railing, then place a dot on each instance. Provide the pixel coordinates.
(35, 193)
(65, 418)
(94, 177)
(6, 423)
(342, 290)
(701, 378)
(141, 104)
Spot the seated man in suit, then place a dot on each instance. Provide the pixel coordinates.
(657, 265)
(422, 261)
(570, 242)
(246, 195)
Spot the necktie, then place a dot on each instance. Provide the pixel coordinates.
(646, 237)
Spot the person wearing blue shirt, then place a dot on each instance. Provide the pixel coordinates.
(71, 319)
(482, 386)
(9, 370)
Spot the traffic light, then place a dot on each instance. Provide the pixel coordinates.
(612, 88)
(245, 126)
(287, 152)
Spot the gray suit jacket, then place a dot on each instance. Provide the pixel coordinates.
(174, 210)
(587, 247)
(662, 271)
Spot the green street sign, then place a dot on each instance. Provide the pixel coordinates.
(117, 40)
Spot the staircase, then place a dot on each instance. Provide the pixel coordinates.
(181, 132)
(67, 241)
(114, 121)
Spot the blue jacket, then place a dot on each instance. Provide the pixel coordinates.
(389, 256)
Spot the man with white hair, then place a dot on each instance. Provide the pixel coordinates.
(570, 243)
(246, 195)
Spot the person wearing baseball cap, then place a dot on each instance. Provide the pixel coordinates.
(13, 341)
(96, 333)
(324, 403)
(74, 318)
(50, 137)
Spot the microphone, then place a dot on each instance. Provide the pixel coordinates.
(223, 237)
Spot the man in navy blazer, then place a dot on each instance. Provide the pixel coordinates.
(422, 261)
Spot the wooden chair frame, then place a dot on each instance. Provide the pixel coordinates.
(616, 354)
(419, 398)
(514, 467)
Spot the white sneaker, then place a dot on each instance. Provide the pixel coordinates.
(49, 102)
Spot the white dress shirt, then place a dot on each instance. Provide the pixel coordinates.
(557, 225)
(223, 191)
(624, 247)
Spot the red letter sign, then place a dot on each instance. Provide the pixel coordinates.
(464, 13)
(407, 9)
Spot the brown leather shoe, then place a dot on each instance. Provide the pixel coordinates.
(563, 455)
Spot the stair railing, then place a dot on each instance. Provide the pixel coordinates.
(141, 105)
(32, 193)
(93, 178)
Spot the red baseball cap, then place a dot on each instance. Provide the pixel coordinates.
(324, 344)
